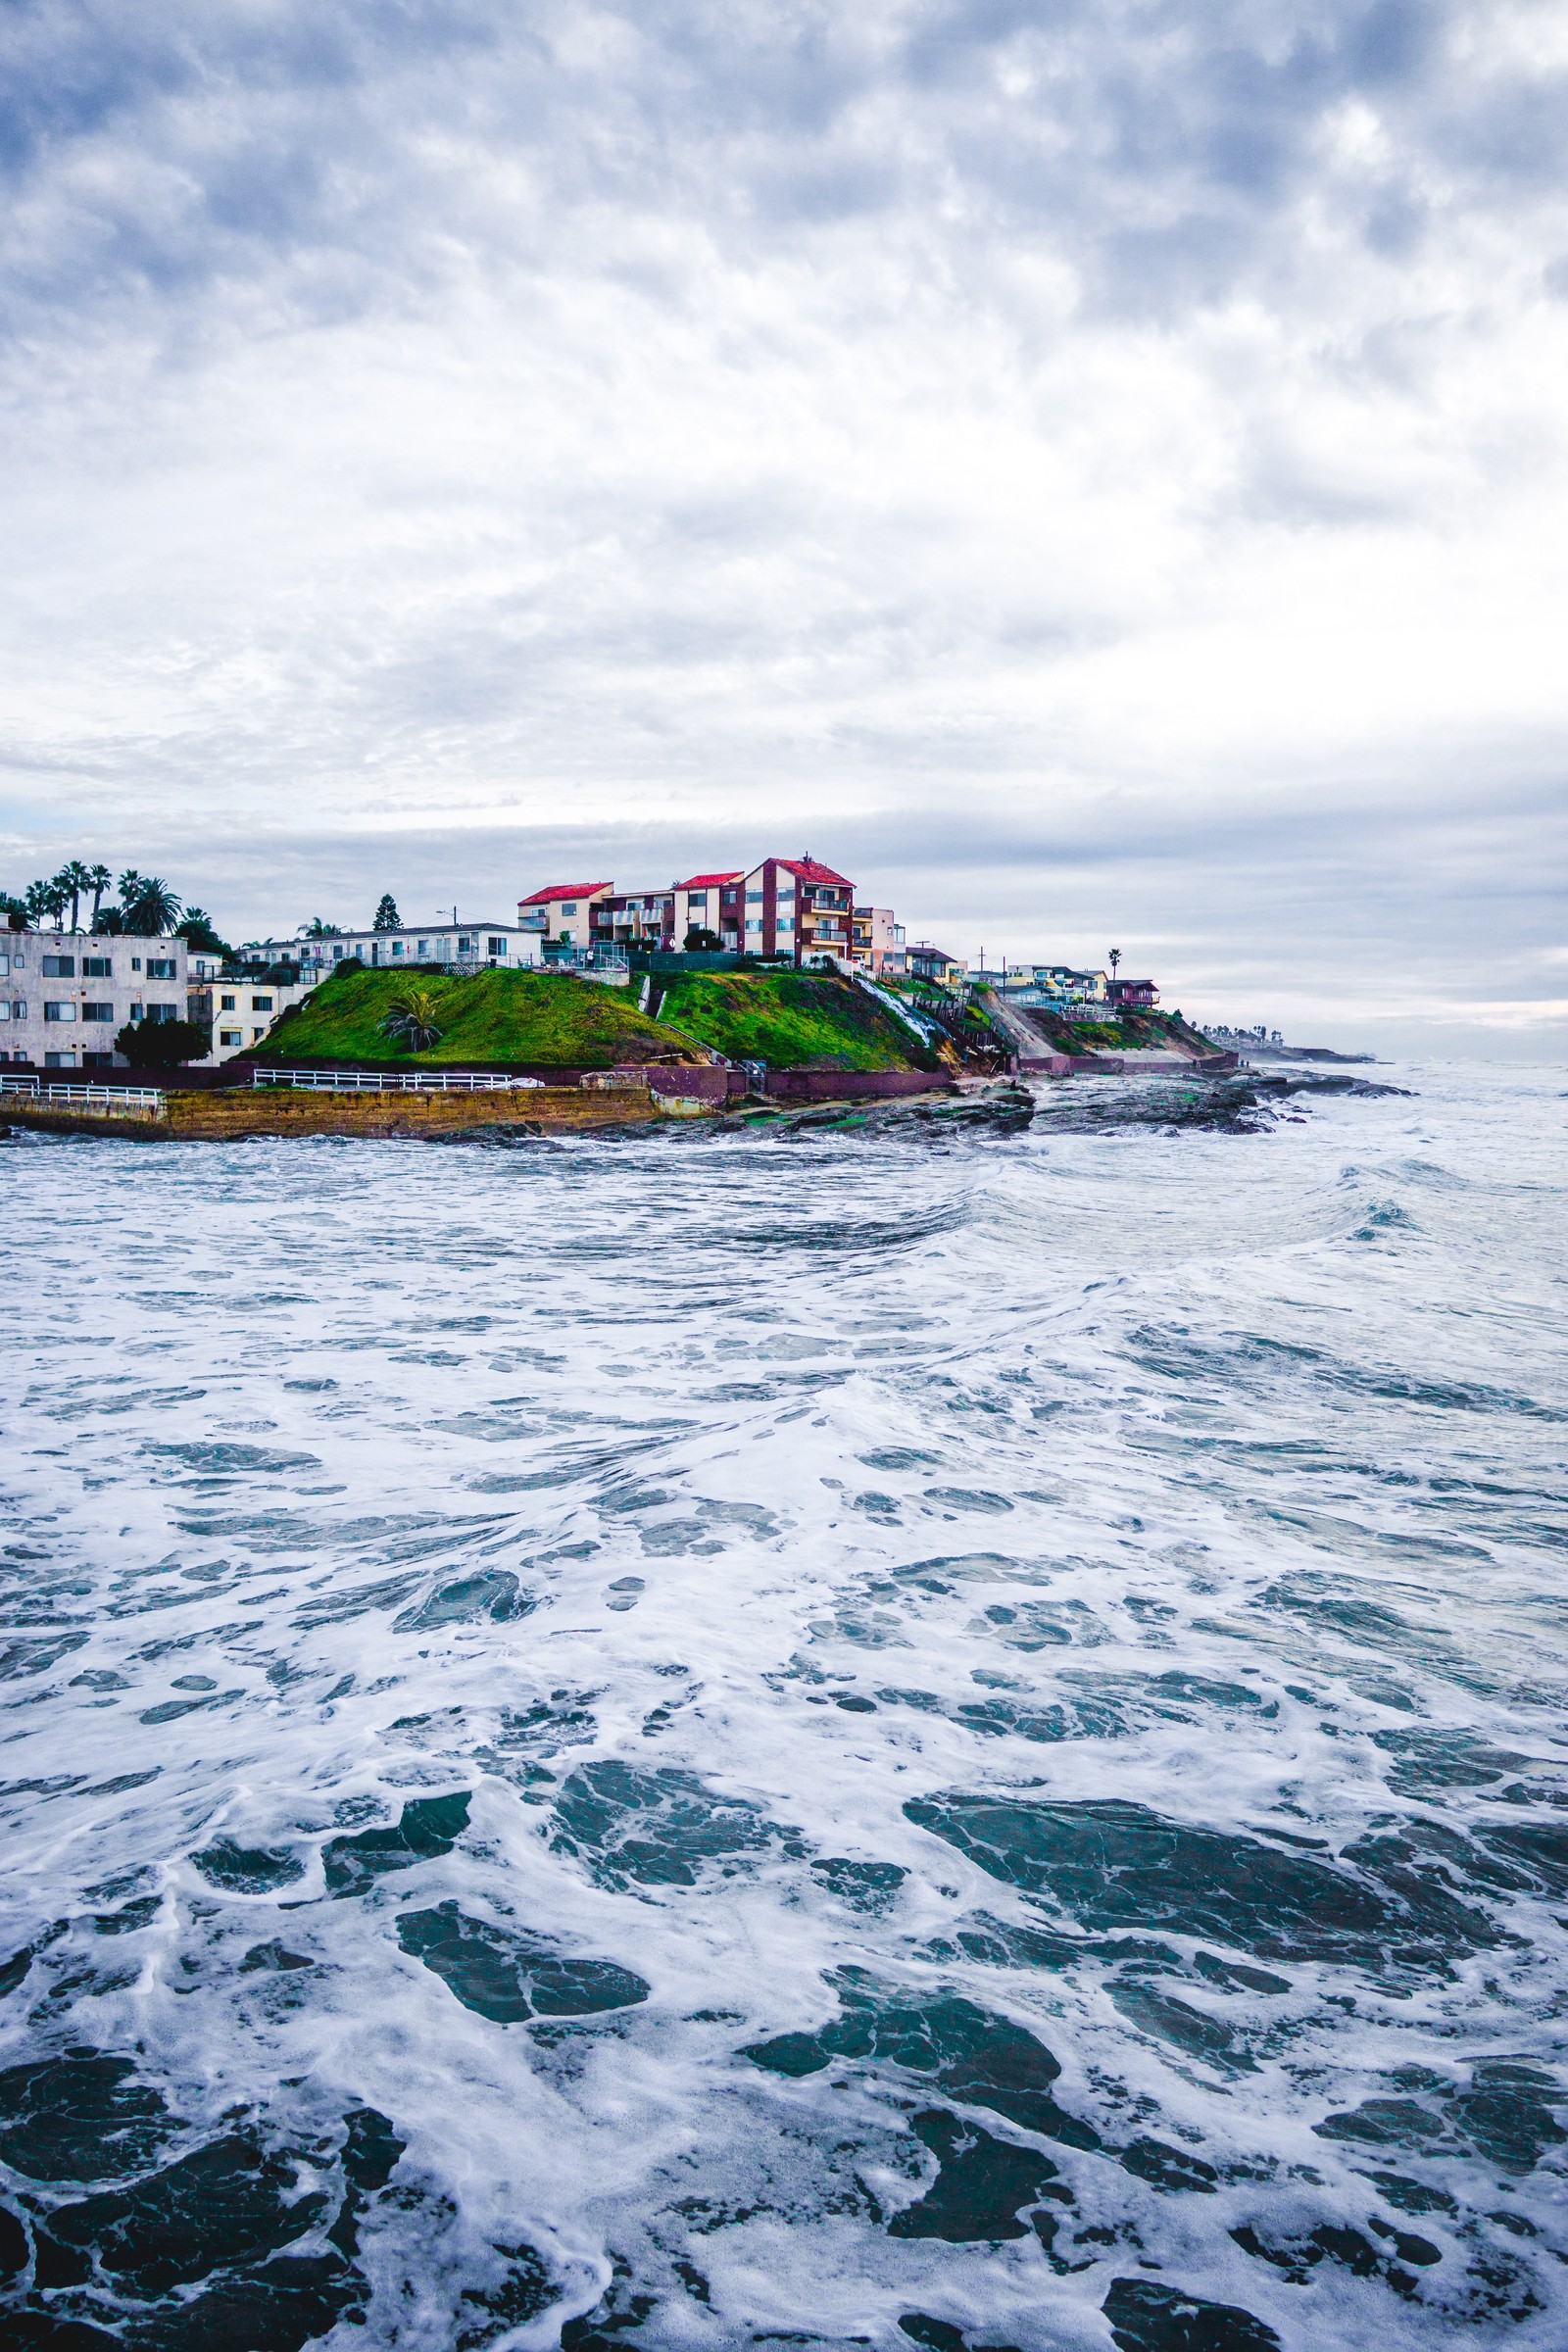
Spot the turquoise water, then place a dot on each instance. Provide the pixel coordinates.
(874, 1736)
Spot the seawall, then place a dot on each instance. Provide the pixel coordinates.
(217, 1117)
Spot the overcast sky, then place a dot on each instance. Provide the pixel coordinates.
(1095, 472)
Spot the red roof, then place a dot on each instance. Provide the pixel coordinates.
(564, 890)
(810, 869)
(708, 881)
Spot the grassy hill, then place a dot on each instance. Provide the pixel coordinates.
(1145, 1031)
(509, 1017)
(791, 1021)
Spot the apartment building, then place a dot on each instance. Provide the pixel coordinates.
(712, 902)
(799, 908)
(878, 943)
(562, 916)
(65, 995)
(241, 1011)
(793, 907)
(634, 918)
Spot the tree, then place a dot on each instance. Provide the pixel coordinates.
(151, 908)
(412, 1021)
(316, 928)
(14, 911)
(163, 1045)
(98, 880)
(196, 930)
(108, 922)
(44, 901)
(388, 917)
(1115, 958)
(74, 879)
(701, 942)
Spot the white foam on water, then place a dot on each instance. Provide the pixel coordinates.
(1216, 1476)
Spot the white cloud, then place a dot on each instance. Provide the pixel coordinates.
(1140, 424)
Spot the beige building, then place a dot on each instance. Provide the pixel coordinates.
(65, 995)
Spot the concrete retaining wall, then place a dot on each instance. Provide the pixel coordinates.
(277, 1111)
(852, 1085)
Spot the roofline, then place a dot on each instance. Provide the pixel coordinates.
(564, 890)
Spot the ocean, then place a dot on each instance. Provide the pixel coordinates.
(912, 1731)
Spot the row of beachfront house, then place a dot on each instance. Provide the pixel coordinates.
(790, 906)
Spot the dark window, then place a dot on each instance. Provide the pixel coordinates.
(60, 967)
(97, 1062)
(160, 967)
(97, 968)
(261, 1004)
(97, 1012)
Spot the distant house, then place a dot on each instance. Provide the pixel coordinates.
(562, 913)
(878, 945)
(466, 947)
(926, 963)
(797, 907)
(1133, 996)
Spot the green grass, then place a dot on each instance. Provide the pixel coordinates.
(494, 1017)
(1139, 1031)
(791, 1021)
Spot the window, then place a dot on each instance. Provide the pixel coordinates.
(60, 1061)
(257, 1035)
(228, 1003)
(97, 968)
(136, 963)
(5, 964)
(97, 1062)
(261, 1004)
(754, 922)
(163, 1013)
(423, 950)
(753, 897)
(97, 1012)
(568, 906)
(230, 1037)
(60, 1012)
(494, 947)
(464, 946)
(136, 1012)
(60, 967)
(5, 1010)
(397, 947)
(337, 955)
(160, 967)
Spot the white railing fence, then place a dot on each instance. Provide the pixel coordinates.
(119, 1101)
(393, 1082)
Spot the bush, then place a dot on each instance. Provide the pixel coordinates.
(163, 1045)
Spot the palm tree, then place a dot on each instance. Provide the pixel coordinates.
(74, 879)
(412, 1019)
(1115, 958)
(98, 880)
(151, 908)
(316, 929)
(38, 899)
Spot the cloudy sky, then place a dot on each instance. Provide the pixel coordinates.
(1099, 474)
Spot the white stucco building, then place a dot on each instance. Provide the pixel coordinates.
(65, 995)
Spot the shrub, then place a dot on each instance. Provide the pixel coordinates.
(163, 1045)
